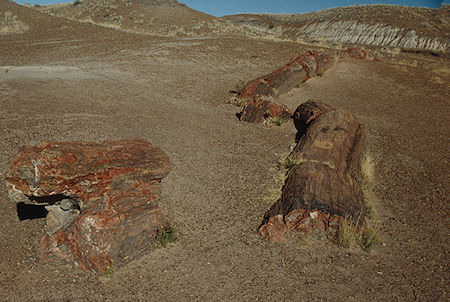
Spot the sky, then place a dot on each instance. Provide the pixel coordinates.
(220, 8)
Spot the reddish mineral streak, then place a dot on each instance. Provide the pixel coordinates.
(115, 184)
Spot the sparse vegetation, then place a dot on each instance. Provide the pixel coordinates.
(290, 162)
(11, 24)
(278, 120)
(367, 182)
(320, 73)
(370, 238)
(349, 235)
(237, 101)
(440, 75)
(239, 86)
(165, 236)
(109, 271)
(274, 192)
(346, 236)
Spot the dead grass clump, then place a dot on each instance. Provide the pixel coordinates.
(290, 162)
(369, 238)
(367, 182)
(275, 191)
(277, 121)
(237, 101)
(10, 24)
(440, 75)
(365, 237)
(239, 86)
(346, 236)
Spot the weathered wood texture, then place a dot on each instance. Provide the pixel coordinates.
(323, 187)
(280, 81)
(100, 198)
(261, 108)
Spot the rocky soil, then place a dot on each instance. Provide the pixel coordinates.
(68, 81)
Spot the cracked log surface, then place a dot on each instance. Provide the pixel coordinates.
(323, 187)
(262, 94)
(100, 198)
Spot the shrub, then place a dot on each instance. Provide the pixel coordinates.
(165, 236)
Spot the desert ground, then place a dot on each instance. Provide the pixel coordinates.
(69, 81)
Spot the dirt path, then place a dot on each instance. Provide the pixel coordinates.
(172, 92)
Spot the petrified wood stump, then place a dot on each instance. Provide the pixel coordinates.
(323, 187)
(100, 198)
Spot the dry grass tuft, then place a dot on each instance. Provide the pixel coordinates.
(346, 236)
(290, 162)
(366, 237)
(237, 101)
(367, 182)
(369, 238)
(10, 24)
(440, 76)
(275, 191)
(277, 121)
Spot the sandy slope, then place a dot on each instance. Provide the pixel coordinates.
(172, 92)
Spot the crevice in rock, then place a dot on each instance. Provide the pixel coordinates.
(30, 211)
(59, 210)
(47, 200)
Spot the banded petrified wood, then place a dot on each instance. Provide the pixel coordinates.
(323, 187)
(100, 198)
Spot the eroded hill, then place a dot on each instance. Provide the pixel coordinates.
(392, 27)
(409, 28)
(160, 17)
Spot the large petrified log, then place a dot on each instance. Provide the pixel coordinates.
(323, 187)
(280, 81)
(264, 91)
(100, 198)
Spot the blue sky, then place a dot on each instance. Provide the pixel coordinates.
(228, 7)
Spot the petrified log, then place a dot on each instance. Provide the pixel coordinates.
(283, 79)
(280, 81)
(260, 108)
(299, 69)
(323, 187)
(100, 198)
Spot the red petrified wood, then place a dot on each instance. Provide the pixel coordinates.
(280, 81)
(100, 198)
(323, 187)
(261, 94)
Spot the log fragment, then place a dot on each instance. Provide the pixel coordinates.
(259, 109)
(323, 187)
(100, 198)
